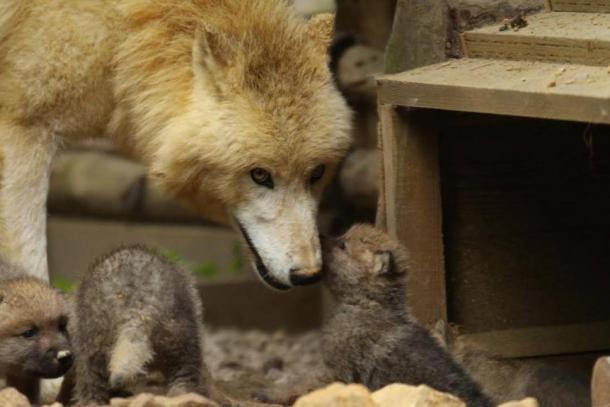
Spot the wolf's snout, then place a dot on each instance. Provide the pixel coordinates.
(305, 276)
(65, 357)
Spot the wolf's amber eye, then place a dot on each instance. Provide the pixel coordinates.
(317, 173)
(30, 333)
(262, 177)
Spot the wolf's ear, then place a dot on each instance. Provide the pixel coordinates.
(210, 50)
(321, 29)
(384, 264)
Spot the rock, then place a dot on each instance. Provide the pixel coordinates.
(55, 405)
(600, 384)
(359, 177)
(309, 7)
(419, 35)
(11, 397)
(338, 395)
(402, 395)
(150, 400)
(528, 402)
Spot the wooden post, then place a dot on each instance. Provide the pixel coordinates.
(412, 207)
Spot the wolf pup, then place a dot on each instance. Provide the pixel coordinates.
(34, 341)
(136, 311)
(230, 104)
(371, 338)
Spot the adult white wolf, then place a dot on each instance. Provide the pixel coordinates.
(229, 103)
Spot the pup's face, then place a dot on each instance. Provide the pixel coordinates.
(33, 329)
(363, 262)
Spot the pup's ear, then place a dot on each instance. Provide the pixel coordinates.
(321, 29)
(384, 264)
(210, 51)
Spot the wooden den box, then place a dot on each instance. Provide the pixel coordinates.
(501, 192)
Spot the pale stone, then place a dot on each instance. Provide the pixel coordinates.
(600, 383)
(338, 395)
(528, 402)
(11, 397)
(402, 395)
(149, 400)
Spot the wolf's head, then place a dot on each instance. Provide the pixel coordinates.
(365, 263)
(264, 133)
(33, 329)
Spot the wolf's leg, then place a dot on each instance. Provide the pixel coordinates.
(131, 353)
(184, 369)
(25, 155)
(91, 385)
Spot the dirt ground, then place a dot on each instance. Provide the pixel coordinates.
(250, 361)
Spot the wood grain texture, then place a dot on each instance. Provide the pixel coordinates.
(540, 341)
(578, 38)
(590, 6)
(413, 208)
(516, 88)
(526, 223)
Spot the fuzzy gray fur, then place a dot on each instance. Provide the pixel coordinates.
(371, 338)
(137, 306)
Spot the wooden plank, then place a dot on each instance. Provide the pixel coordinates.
(413, 208)
(516, 88)
(526, 221)
(540, 341)
(589, 6)
(578, 38)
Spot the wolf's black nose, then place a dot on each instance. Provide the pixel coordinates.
(299, 276)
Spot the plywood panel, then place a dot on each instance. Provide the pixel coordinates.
(578, 38)
(412, 201)
(516, 88)
(590, 6)
(526, 224)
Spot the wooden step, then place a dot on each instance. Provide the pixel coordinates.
(585, 6)
(515, 88)
(578, 38)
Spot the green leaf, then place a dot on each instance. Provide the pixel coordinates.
(63, 284)
(208, 270)
(237, 262)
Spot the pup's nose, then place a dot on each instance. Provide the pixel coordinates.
(305, 276)
(65, 357)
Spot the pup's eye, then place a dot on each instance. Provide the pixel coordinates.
(262, 177)
(30, 333)
(341, 244)
(317, 173)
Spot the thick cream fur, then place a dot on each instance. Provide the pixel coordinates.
(202, 91)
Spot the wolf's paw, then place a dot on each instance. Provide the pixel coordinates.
(122, 379)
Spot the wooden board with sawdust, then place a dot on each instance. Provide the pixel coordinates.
(587, 6)
(515, 88)
(579, 38)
